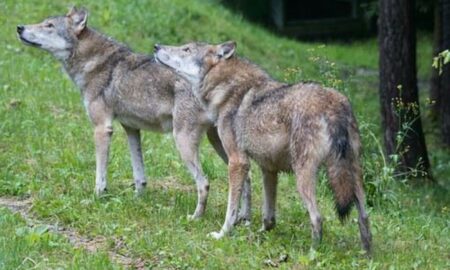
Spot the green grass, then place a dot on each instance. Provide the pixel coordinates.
(24, 247)
(47, 151)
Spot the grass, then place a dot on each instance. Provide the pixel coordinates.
(22, 247)
(47, 152)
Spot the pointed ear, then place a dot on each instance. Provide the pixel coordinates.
(226, 50)
(79, 19)
(72, 11)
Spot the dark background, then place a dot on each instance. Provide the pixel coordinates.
(323, 19)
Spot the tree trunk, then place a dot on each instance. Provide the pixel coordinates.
(403, 135)
(445, 90)
(435, 81)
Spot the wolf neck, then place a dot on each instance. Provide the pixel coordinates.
(228, 82)
(91, 54)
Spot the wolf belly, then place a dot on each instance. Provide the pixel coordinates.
(163, 124)
(269, 150)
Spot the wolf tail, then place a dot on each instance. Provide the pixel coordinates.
(343, 166)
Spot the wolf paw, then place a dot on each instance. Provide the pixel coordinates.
(267, 226)
(216, 235)
(100, 191)
(243, 221)
(139, 187)
(193, 217)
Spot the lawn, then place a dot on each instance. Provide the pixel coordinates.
(47, 154)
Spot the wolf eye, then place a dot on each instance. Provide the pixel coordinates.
(50, 25)
(187, 50)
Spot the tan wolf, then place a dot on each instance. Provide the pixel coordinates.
(134, 89)
(282, 127)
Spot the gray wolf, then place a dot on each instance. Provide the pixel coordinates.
(293, 128)
(116, 83)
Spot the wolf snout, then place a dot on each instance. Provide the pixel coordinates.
(157, 47)
(20, 29)
(163, 56)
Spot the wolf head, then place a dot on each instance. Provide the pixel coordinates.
(58, 34)
(194, 60)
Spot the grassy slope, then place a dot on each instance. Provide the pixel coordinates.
(47, 151)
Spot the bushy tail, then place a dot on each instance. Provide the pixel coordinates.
(344, 169)
(343, 176)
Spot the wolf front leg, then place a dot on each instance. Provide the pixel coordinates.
(187, 140)
(137, 161)
(102, 136)
(238, 168)
(246, 198)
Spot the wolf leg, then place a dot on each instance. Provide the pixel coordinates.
(238, 168)
(246, 197)
(137, 161)
(214, 139)
(306, 174)
(364, 227)
(187, 142)
(245, 210)
(270, 193)
(102, 136)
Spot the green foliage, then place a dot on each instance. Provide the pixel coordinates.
(47, 151)
(440, 60)
(380, 184)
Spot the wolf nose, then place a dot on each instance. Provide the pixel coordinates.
(157, 47)
(20, 29)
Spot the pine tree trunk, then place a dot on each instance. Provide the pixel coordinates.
(398, 86)
(435, 81)
(445, 90)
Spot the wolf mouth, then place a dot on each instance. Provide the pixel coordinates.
(158, 60)
(31, 43)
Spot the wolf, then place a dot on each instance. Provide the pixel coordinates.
(283, 127)
(135, 90)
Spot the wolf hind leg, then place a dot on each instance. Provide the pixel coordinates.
(363, 220)
(306, 174)
(270, 193)
(137, 161)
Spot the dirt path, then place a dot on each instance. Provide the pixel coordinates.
(119, 254)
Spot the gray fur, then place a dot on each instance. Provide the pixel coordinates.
(116, 83)
(293, 128)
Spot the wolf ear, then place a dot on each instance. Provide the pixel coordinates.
(226, 50)
(79, 19)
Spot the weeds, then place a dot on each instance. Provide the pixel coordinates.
(440, 60)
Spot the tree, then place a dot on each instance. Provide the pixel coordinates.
(440, 79)
(445, 84)
(435, 81)
(401, 123)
